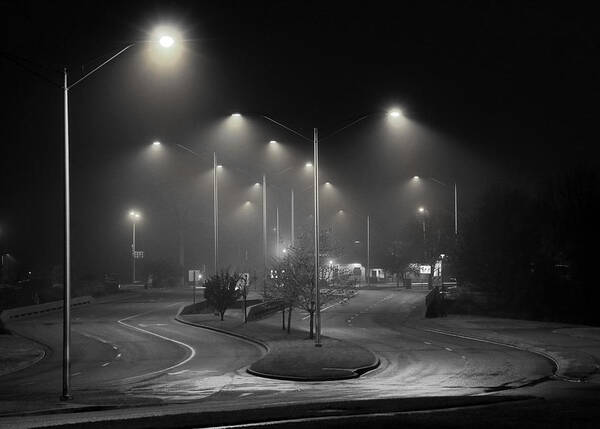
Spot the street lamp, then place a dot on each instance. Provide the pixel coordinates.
(134, 216)
(439, 182)
(165, 41)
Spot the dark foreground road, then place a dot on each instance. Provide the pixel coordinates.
(132, 352)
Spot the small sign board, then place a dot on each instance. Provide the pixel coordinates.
(425, 269)
(194, 275)
(243, 281)
(138, 254)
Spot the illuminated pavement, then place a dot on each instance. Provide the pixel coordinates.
(133, 352)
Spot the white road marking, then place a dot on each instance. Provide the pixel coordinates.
(102, 340)
(118, 356)
(106, 364)
(323, 309)
(187, 346)
(427, 342)
(448, 348)
(178, 372)
(75, 374)
(245, 394)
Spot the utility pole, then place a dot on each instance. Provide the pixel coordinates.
(66, 372)
(455, 210)
(133, 253)
(368, 250)
(316, 219)
(264, 230)
(216, 212)
(292, 227)
(277, 250)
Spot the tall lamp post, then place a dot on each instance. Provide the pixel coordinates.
(165, 41)
(315, 140)
(439, 182)
(216, 212)
(134, 216)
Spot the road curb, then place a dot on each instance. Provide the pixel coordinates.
(27, 364)
(525, 348)
(352, 373)
(223, 331)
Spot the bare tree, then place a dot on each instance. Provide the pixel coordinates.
(293, 278)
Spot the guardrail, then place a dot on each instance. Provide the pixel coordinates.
(264, 309)
(20, 313)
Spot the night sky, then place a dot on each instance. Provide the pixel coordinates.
(493, 92)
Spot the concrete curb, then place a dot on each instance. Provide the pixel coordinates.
(223, 331)
(353, 373)
(29, 363)
(522, 347)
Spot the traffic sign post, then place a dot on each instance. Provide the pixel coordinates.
(242, 283)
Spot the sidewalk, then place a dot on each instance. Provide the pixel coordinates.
(17, 353)
(575, 349)
(290, 356)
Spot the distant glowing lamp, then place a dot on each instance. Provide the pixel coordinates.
(308, 164)
(166, 41)
(236, 115)
(395, 113)
(273, 142)
(156, 143)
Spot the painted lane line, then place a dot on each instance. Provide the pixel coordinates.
(93, 337)
(75, 374)
(427, 342)
(178, 372)
(326, 308)
(106, 364)
(448, 348)
(118, 356)
(187, 346)
(115, 347)
(497, 343)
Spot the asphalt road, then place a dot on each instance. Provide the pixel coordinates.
(133, 352)
(120, 349)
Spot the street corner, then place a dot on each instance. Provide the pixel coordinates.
(17, 353)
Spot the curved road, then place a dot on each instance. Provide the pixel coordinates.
(133, 351)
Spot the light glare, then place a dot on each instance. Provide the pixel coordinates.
(166, 41)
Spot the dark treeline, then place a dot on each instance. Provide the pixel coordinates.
(533, 253)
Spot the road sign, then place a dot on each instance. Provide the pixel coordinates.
(425, 269)
(194, 275)
(138, 254)
(243, 281)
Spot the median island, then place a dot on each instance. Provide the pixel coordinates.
(288, 356)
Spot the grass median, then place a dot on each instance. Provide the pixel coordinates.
(291, 356)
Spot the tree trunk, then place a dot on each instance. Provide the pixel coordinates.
(289, 319)
(222, 314)
(283, 318)
(311, 323)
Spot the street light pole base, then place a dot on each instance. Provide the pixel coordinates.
(318, 345)
(65, 398)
